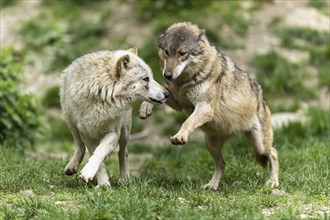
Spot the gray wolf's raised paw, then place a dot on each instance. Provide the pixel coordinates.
(179, 139)
(145, 110)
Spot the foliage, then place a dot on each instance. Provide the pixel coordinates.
(4, 3)
(320, 58)
(165, 12)
(317, 126)
(324, 76)
(322, 5)
(61, 37)
(73, 2)
(302, 37)
(150, 9)
(316, 43)
(148, 55)
(177, 120)
(51, 98)
(56, 130)
(280, 78)
(19, 111)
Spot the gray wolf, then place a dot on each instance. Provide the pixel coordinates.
(97, 93)
(216, 94)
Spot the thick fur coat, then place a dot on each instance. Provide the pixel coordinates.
(218, 97)
(97, 93)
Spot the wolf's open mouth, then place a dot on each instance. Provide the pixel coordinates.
(156, 101)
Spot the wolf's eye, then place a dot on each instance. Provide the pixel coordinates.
(181, 53)
(166, 52)
(146, 79)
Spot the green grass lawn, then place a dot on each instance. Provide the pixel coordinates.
(168, 184)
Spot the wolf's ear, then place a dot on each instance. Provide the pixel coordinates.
(201, 34)
(122, 64)
(133, 50)
(160, 41)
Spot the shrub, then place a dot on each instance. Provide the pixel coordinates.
(51, 98)
(322, 5)
(19, 120)
(280, 78)
(167, 12)
(4, 3)
(61, 37)
(150, 9)
(300, 38)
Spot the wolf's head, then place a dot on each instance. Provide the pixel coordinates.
(135, 79)
(180, 48)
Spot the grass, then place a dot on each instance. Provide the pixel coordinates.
(168, 185)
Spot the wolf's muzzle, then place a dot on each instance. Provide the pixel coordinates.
(162, 99)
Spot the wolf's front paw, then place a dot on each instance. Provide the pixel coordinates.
(145, 110)
(179, 139)
(88, 172)
(211, 185)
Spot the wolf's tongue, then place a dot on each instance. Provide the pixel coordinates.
(163, 101)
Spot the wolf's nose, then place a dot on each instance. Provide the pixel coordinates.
(167, 94)
(168, 75)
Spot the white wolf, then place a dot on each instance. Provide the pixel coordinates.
(97, 93)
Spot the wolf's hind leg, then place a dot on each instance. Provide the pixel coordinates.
(73, 165)
(102, 176)
(214, 145)
(123, 153)
(262, 138)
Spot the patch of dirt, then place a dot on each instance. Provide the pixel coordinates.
(68, 203)
(12, 17)
(260, 40)
(307, 211)
(311, 211)
(28, 192)
(124, 23)
(278, 192)
(307, 17)
(267, 212)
